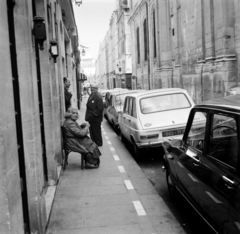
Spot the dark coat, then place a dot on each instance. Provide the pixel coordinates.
(77, 139)
(68, 97)
(94, 112)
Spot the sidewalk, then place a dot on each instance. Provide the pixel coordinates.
(116, 198)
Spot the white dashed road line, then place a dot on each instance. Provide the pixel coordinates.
(121, 169)
(128, 184)
(137, 204)
(139, 208)
(112, 149)
(116, 157)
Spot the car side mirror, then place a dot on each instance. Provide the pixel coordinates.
(176, 143)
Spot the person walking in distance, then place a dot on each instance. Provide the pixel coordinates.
(67, 93)
(94, 114)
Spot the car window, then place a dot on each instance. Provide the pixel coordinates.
(126, 106)
(111, 99)
(134, 113)
(130, 106)
(223, 143)
(164, 103)
(196, 135)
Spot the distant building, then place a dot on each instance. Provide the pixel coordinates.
(89, 69)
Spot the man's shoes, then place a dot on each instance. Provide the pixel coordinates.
(91, 166)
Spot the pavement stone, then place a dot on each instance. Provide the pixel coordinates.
(98, 201)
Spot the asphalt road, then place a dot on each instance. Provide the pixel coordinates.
(191, 222)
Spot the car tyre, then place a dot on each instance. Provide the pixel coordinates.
(115, 128)
(138, 153)
(171, 185)
(122, 138)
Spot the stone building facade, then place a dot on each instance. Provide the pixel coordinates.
(116, 49)
(32, 101)
(193, 44)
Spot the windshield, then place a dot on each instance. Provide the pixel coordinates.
(164, 103)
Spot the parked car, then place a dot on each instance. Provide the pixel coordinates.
(103, 93)
(153, 116)
(107, 98)
(204, 166)
(115, 106)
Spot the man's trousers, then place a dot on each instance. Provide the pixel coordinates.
(96, 132)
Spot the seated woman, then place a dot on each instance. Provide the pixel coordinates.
(78, 140)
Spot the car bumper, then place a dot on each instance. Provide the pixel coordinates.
(156, 143)
(149, 144)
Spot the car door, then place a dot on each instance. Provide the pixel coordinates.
(187, 160)
(233, 226)
(112, 108)
(217, 169)
(109, 109)
(124, 126)
(128, 120)
(132, 118)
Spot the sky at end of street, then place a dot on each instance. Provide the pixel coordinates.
(92, 19)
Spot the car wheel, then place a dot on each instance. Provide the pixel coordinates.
(115, 128)
(138, 153)
(170, 184)
(122, 138)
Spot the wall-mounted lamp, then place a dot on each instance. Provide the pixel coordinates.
(78, 2)
(83, 52)
(39, 31)
(53, 50)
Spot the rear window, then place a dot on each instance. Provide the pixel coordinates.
(164, 103)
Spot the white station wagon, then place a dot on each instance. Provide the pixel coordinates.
(150, 117)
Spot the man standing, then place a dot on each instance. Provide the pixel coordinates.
(94, 114)
(67, 93)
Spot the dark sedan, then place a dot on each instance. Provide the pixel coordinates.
(204, 166)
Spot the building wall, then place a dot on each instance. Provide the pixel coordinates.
(11, 219)
(40, 85)
(197, 45)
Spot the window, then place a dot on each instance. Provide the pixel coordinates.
(223, 140)
(134, 112)
(145, 39)
(130, 106)
(164, 103)
(111, 100)
(126, 106)
(154, 36)
(196, 135)
(138, 47)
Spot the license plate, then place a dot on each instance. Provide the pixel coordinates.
(173, 133)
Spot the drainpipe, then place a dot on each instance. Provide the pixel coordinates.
(148, 52)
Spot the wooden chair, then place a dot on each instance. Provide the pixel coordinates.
(67, 151)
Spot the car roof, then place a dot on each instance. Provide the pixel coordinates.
(118, 91)
(127, 91)
(231, 102)
(154, 91)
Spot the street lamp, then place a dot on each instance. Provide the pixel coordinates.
(53, 50)
(39, 31)
(83, 52)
